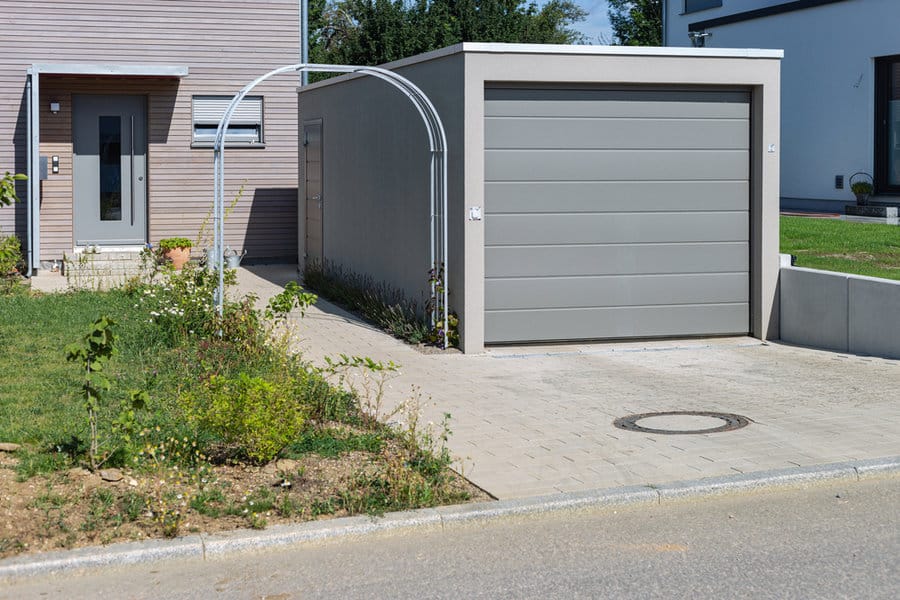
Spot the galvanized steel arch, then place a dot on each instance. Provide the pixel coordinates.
(437, 140)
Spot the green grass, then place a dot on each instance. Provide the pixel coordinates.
(870, 249)
(39, 401)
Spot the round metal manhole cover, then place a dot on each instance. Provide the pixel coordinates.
(682, 422)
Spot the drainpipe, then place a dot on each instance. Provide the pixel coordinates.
(30, 172)
(304, 40)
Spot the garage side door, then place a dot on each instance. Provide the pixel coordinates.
(616, 214)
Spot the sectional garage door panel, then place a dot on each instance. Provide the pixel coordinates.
(611, 323)
(616, 104)
(615, 228)
(615, 290)
(615, 214)
(618, 134)
(501, 262)
(617, 196)
(611, 165)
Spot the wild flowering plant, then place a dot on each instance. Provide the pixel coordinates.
(182, 303)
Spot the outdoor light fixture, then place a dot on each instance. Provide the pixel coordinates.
(698, 38)
(54, 107)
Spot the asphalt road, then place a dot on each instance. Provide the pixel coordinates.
(826, 541)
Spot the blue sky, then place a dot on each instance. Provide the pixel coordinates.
(597, 23)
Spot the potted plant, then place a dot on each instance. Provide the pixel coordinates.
(177, 250)
(861, 186)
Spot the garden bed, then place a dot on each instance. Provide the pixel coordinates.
(232, 431)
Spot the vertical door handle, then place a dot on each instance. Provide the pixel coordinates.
(132, 170)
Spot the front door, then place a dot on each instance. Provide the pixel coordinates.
(312, 142)
(109, 167)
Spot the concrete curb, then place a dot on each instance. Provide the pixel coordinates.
(208, 546)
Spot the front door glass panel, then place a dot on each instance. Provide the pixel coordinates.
(110, 168)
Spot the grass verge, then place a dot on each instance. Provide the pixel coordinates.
(871, 249)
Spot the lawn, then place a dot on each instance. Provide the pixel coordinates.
(232, 429)
(871, 249)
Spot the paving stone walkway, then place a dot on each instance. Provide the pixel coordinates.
(538, 420)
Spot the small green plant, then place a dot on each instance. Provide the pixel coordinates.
(204, 236)
(93, 355)
(260, 416)
(167, 244)
(366, 380)
(292, 297)
(861, 187)
(8, 188)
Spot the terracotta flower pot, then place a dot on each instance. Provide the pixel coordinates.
(178, 256)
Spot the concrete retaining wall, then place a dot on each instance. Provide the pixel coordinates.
(842, 312)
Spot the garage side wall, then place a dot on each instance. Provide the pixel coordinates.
(376, 173)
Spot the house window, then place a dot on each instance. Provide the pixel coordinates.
(887, 125)
(245, 128)
(697, 5)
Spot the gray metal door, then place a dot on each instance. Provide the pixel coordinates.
(109, 135)
(616, 213)
(312, 140)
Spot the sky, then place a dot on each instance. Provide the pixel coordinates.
(597, 22)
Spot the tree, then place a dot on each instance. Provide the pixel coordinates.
(371, 32)
(636, 22)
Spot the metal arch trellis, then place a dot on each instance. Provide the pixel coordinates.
(437, 140)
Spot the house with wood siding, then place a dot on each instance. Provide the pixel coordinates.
(111, 107)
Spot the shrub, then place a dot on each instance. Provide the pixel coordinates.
(167, 244)
(385, 306)
(10, 261)
(260, 416)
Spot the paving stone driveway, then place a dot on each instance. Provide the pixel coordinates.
(538, 420)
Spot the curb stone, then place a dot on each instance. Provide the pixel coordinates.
(221, 544)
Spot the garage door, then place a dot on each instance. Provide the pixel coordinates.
(616, 214)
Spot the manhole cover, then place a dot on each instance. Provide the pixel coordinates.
(682, 422)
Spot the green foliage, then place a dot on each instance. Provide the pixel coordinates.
(871, 249)
(182, 306)
(39, 463)
(10, 254)
(93, 354)
(260, 416)
(385, 306)
(167, 244)
(292, 297)
(861, 187)
(8, 188)
(332, 443)
(636, 22)
(436, 335)
(370, 32)
(10, 261)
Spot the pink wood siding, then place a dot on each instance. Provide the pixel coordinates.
(225, 44)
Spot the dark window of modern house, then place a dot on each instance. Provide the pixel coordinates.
(244, 129)
(887, 124)
(695, 5)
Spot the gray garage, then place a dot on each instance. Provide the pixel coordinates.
(594, 192)
(616, 213)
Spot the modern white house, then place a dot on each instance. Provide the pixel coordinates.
(840, 86)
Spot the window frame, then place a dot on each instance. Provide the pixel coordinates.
(688, 11)
(231, 141)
